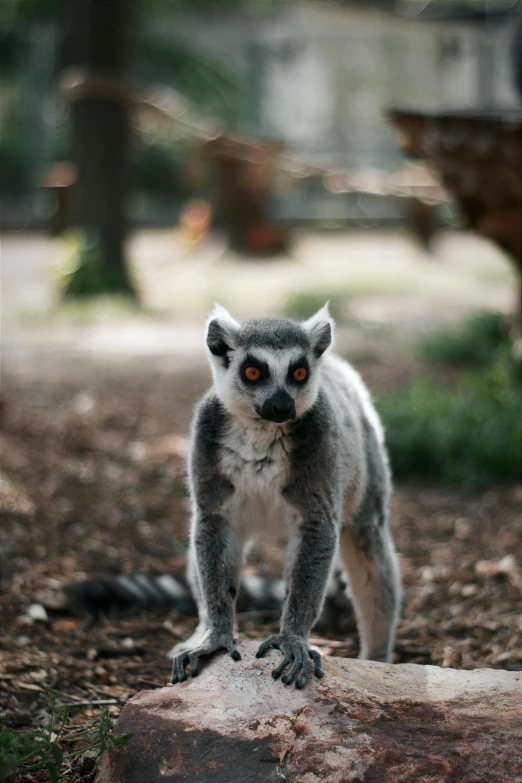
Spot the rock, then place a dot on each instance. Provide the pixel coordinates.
(37, 612)
(364, 721)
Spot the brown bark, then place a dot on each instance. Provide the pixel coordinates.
(99, 44)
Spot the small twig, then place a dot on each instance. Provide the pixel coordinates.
(96, 702)
(64, 695)
(119, 652)
(75, 735)
(150, 682)
(29, 686)
(333, 644)
(103, 692)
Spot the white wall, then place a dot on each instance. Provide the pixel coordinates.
(320, 77)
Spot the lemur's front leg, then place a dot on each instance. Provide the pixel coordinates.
(309, 563)
(217, 551)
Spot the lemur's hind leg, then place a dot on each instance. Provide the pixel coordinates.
(195, 587)
(368, 556)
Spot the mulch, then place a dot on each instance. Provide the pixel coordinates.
(93, 484)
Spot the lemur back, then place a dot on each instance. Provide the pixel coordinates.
(287, 438)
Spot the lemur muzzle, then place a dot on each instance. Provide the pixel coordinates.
(279, 407)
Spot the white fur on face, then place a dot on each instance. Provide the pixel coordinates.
(242, 400)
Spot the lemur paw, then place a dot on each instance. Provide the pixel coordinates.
(210, 643)
(295, 651)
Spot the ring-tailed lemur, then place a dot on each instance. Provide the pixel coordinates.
(287, 436)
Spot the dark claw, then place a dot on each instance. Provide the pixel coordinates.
(264, 647)
(289, 678)
(182, 660)
(318, 667)
(276, 673)
(306, 671)
(178, 669)
(295, 651)
(193, 661)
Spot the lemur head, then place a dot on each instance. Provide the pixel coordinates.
(267, 368)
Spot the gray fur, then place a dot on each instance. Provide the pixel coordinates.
(322, 475)
(272, 333)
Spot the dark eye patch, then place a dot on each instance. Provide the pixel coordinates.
(251, 361)
(303, 362)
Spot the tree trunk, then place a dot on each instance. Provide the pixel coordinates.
(98, 44)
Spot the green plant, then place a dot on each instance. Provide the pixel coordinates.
(24, 752)
(474, 343)
(470, 436)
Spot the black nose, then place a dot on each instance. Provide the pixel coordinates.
(279, 407)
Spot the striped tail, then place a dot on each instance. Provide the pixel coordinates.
(164, 592)
(172, 594)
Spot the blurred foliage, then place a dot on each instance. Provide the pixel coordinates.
(82, 270)
(10, 51)
(207, 82)
(216, 6)
(304, 304)
(14, 172)
(156, 168)
(20, 11)
(474, 343)
(44, 10)
(467, 436)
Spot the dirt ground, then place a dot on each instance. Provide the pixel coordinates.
(93, 484)
(94, 421)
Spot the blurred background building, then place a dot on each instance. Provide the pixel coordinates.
(317, 77)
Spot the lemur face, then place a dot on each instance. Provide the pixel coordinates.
(267, 369)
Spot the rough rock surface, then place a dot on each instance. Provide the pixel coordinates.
(364, 721)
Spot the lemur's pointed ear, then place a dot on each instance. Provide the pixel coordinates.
(320, 328)
(222, 330)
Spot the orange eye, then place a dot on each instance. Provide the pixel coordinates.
(299, 374)
(252, 373)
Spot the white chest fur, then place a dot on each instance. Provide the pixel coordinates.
(257, 462)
